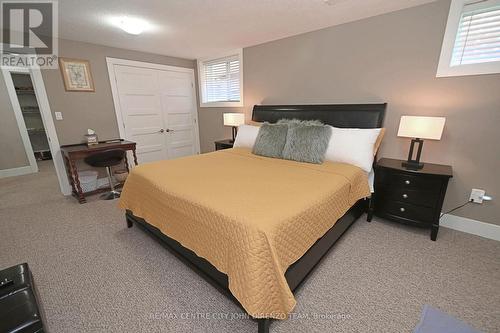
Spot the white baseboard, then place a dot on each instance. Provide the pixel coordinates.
(16, 171)
(470, 226)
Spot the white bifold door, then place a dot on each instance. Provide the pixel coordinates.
(156, 108)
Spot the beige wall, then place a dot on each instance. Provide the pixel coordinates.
(83, 110)
(12, 153)
(390, 58)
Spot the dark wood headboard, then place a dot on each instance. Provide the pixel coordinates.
(337, 115)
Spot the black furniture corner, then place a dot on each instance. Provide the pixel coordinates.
(338, 115)
(224, 144)
(20, 309)
(411, 196)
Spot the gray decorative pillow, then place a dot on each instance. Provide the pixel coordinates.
(298, 122)
(307, 143)
(271, 140)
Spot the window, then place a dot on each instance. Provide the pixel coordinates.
(221, 81)
(471, 43)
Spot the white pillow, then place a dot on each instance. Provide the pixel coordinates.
(246, 136)
(353, 146)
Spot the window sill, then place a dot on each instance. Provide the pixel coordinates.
(221, 104)
(465, 70)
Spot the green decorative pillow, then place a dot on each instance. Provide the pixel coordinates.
(271, 140)
(307, 143)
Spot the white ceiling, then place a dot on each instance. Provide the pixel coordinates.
(200, 28)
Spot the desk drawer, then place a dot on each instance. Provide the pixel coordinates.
(409, 195)
(404, 211)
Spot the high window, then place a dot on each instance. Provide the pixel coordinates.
(471, 44)
(221, 81)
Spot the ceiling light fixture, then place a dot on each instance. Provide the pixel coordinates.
(131, 25)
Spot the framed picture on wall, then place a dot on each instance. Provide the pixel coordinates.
(76, 74)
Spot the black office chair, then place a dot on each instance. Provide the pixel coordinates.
(107, 159)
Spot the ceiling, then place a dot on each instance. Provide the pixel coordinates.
(200, 28)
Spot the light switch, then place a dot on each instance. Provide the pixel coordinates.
(58, 115)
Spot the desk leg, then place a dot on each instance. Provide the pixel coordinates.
(135, 156)
(69, 173)
(126, 163)
(79, 191)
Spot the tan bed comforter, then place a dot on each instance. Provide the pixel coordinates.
(249, 216)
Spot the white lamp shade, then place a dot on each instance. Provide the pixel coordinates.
(421, 127)
(234, 119)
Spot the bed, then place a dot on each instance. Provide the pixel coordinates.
(254, 227)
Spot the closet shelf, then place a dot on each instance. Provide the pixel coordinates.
(30, 110)
(25, 91)
(36, 130)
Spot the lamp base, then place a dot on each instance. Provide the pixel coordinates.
(412, 165)
(234, 131)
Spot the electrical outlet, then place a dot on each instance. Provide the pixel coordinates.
(477, 195)
(58, 115)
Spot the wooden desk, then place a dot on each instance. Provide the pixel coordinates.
(72, 153)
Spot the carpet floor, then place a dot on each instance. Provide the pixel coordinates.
(95, 275)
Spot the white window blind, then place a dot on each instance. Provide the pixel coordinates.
(221, 80)
(478, 36)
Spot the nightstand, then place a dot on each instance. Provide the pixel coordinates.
(411, 197)
(224, 144)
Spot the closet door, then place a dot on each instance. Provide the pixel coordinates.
(158, 110)
(179, 113)
(141, 110)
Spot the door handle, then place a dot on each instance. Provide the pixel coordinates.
(169, 130)
(162, 130)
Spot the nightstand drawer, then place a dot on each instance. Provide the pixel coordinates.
(412, 196)
(405, 181)
(405, 211)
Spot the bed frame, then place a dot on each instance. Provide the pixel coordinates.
(338, 115)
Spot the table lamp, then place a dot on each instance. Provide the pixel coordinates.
(234, 120)
(419, 128)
